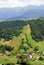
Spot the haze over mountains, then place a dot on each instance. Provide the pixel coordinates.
(21, 12)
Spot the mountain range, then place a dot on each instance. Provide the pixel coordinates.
(29, 11)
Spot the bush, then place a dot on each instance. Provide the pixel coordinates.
(21, 51)
(2, 49)
(36, 48)
(5, 47)
(9, 64)
(24, 63)
(41, 58)
(8, 48)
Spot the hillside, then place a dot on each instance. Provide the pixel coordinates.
(32, 30)
(8, 29)
(21, 44)
(21, 38)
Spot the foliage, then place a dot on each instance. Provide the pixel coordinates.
(3, 48)
(21, 51)
(8, 29)
(41, 58)
(36, 48)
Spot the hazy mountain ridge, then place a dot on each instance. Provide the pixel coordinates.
(21, 12)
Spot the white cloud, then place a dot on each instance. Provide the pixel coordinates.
(20, 3)
(37, 2)
(12, 3)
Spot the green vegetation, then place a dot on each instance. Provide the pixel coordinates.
(4, 48)
(7, 59)
(22, 42)
(8, 29)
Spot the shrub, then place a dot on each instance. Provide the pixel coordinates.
(36, 48)
(5, 47)
(41, 58)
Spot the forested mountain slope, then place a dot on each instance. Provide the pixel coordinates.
(8, 29)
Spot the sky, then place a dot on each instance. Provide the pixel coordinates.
(20, 3)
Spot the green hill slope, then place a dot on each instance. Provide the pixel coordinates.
(8, 29)
(26, 35)
(22, 36)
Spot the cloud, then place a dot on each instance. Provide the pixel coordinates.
(20, 3)
(12, 3)
(24, 0)
(36, 2)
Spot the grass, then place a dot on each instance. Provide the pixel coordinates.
(4, 42)
(41, 45)
(15, 42)
(35, 55)
(37, 62)
(8, 59)
(27, 30)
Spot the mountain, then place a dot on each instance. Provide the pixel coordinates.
(21, 12)
(31, 12)
(8, 12)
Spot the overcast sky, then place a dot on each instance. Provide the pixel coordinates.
(20, 3)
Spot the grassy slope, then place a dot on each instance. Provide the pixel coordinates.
(16, 42)
(27, 30)
(7, 59)
(37, 62)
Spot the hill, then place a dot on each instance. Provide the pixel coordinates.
(20, 39)
(8, 29)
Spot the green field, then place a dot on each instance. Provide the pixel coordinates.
(7, 59)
